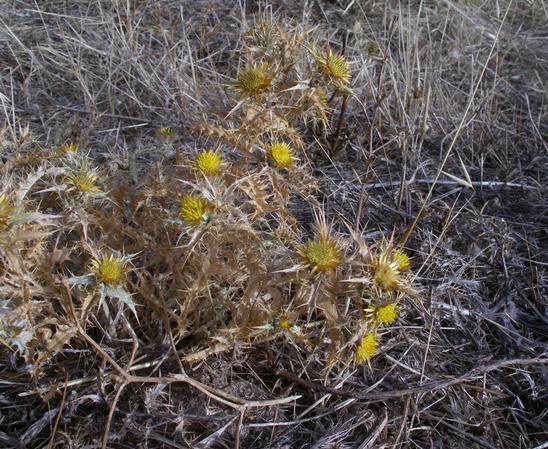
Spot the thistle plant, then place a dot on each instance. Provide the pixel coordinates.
(251, 274)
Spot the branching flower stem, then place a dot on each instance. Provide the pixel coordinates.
(217, 395)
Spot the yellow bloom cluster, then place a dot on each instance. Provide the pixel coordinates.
(321, 254)
(109, 269)
(383, 315)
(82, 182)
(166, 133)
(281, 154)
(208, 162)
(367, 348)
(68, 147)
(192, 209)
(334, 66)
(253, 80)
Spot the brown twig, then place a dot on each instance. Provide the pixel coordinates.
(429, 387)
(56, 425)
(217, 395)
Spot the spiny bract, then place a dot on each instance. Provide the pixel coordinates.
(386, 273)
(5, 209)
(109, 269)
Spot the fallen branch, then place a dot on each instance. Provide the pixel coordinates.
(426, 388)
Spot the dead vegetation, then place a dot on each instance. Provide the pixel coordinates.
(208, 211)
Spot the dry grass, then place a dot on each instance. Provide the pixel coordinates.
(232, 319)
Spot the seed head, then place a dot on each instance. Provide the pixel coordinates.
(82, 182)
(5, 209)
(367, 348)
(208, 162)
(192, 209)
(334, 66)
(253, 80)
(108, 269)
(281, 154)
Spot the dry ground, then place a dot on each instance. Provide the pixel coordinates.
(464, 367)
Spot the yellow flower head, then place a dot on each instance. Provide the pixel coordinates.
(253, 80)
(166, 134)
(68, 147)
(208, 162)
(82, 182)
(386, 273)
(402, 259)
(321, 254)
(5, 209)
(367, 348)
(108, 269)
(383, 315)
(192, 209)
(334, 66)
(281, 154)
(285, 322)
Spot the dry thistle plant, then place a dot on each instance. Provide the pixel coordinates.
(216, 235)
(215, 265)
